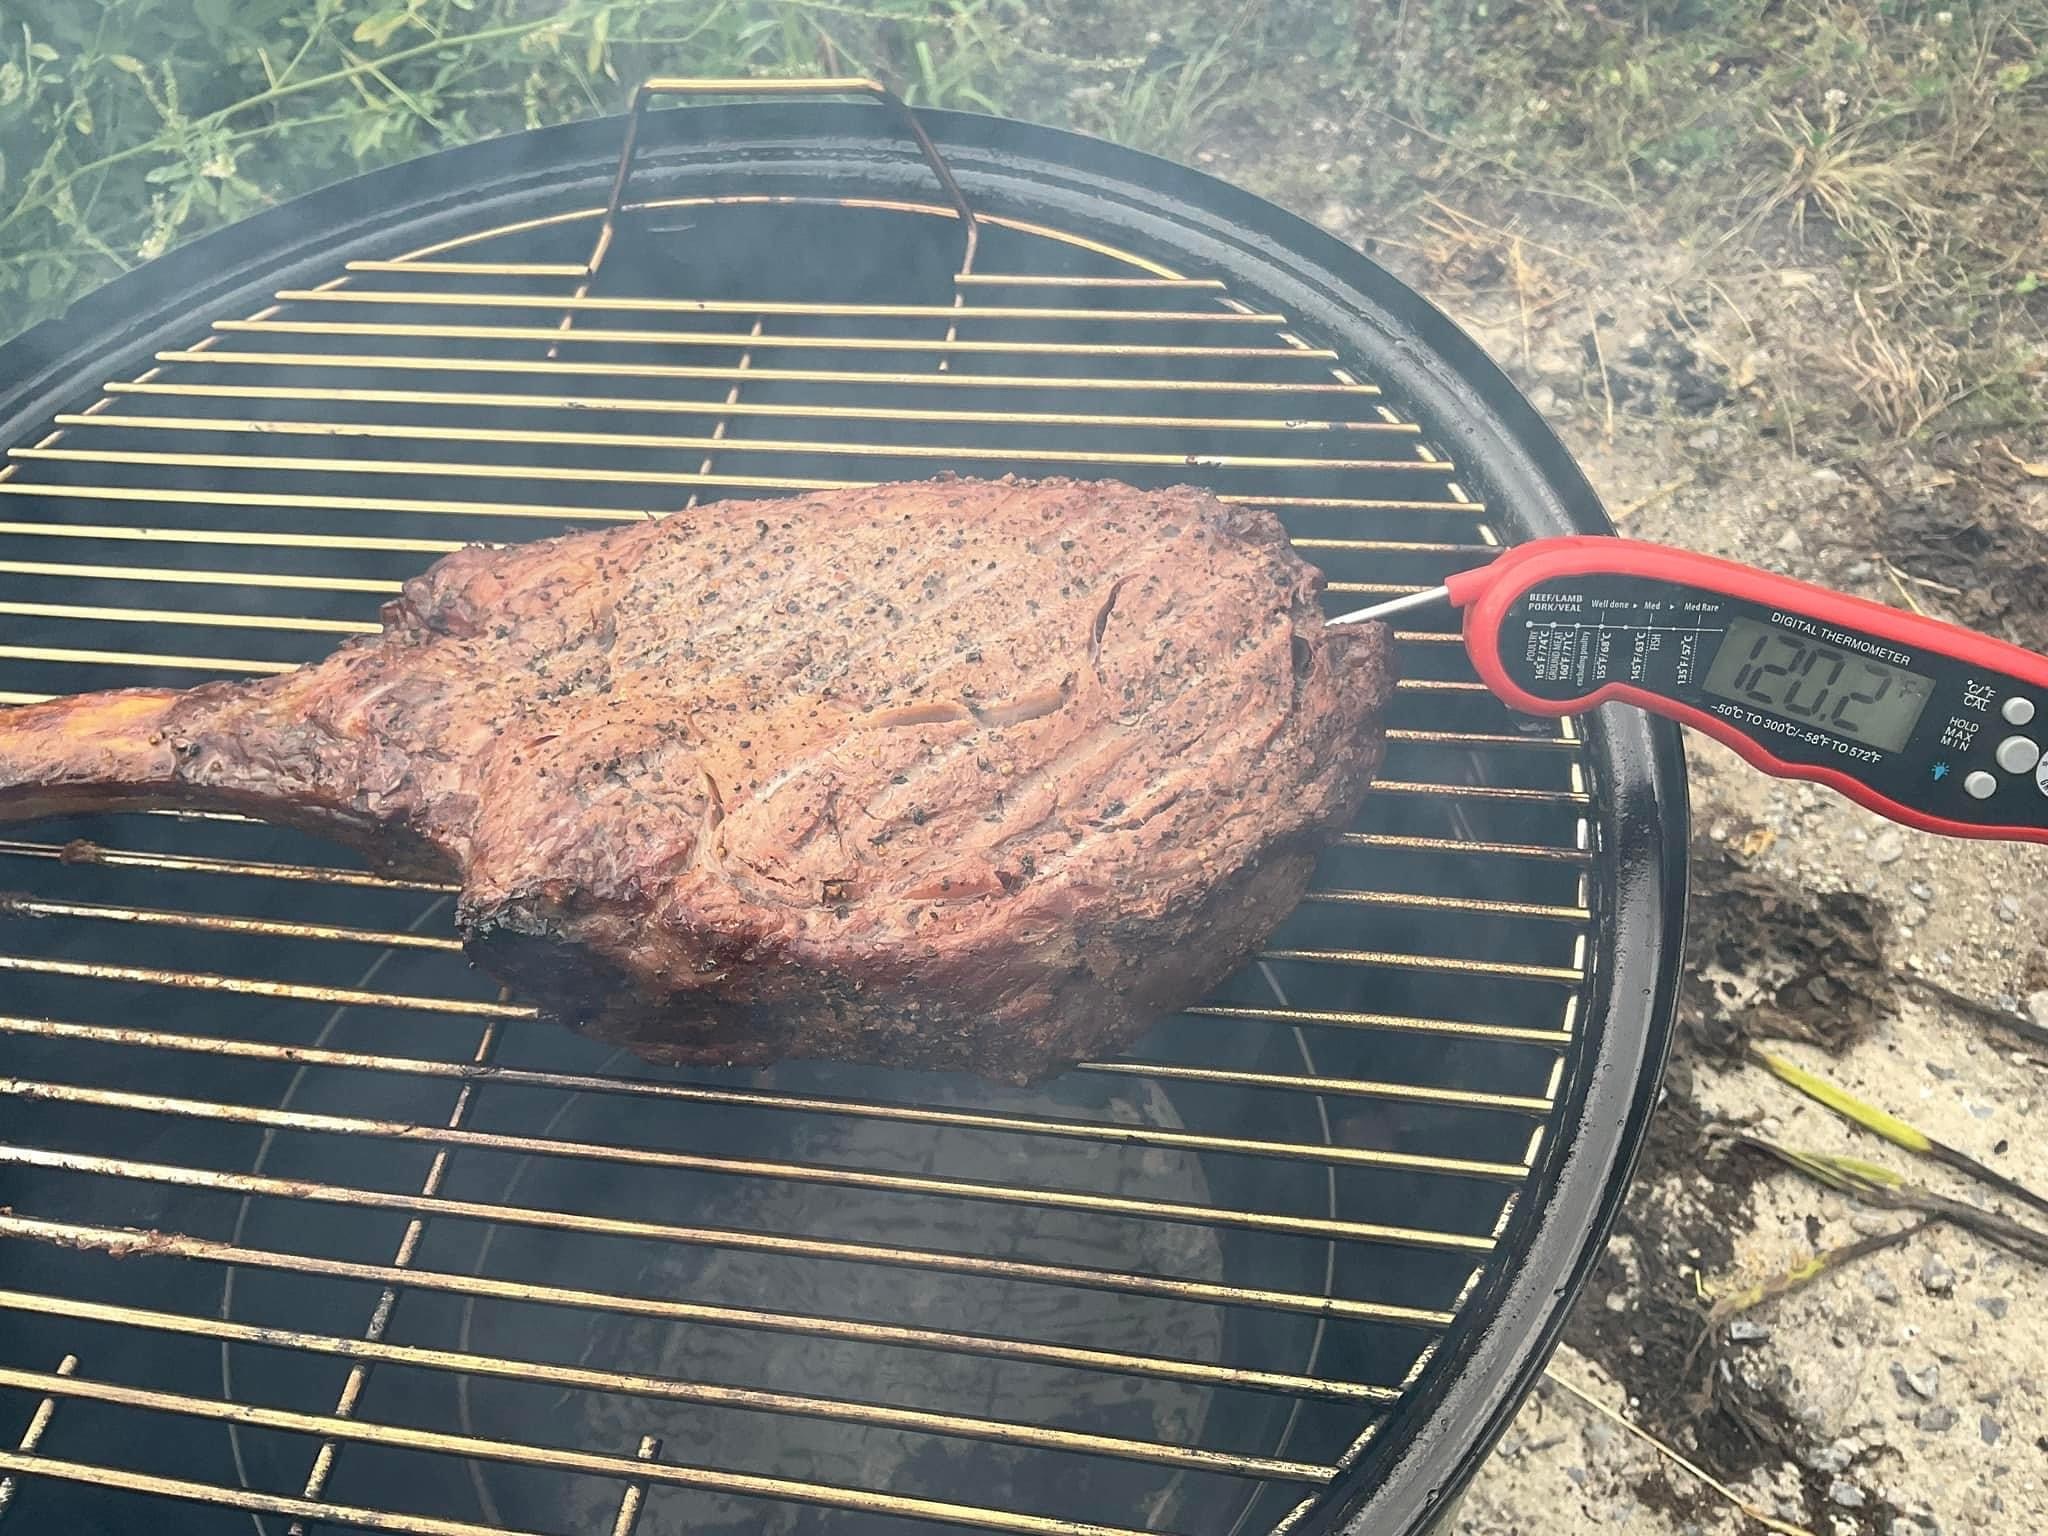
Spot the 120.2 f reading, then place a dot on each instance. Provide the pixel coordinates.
(1817, 683)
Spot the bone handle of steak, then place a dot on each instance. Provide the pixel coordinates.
(93, 752)
(118, 751)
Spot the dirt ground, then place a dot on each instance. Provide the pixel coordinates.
(1902, 1392)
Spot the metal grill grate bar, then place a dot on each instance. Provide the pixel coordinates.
(555, 1458)
(438, 470)
(1325, 1018)
(477, 268)
(180, 576)
(308, 501)
(1471, 740)
(582, 1224)
(1479, 791)
(1410, 900)
(1402, 960)
(209, 922)
(127, 1242)
(1350, 1087)
(231, 537)
(804, 1173)
(573, 368)
(146, 659)
(527, 436)
(635, 1496)
(250, 666)
(357, 997)
(32, 1436)
(1045, 280)
(623, 304)
(248, 1499)
(614, 336)
(1462, 847)
(293, 622)
(1397, 546)
(387, 1302)
(660, 406)
(668, 1388)
(82, 852)
(755, 1098)
(208, 981)
(34, 906)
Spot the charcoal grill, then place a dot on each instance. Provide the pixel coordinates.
(306, 1224)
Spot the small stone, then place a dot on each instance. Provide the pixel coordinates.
(2037, 1006)
(1615, 1302)
(1789, 543)
(1887, 848)
(1860, 570)
(1989, 1428)
(1543, 398)
(1938, 1420)
(1921, 892)
(1881, 1287)
(1936, 1278)
(1334, 216)
(1921, 1384)
(1846, 1494)
(1831, 1459)
(1743, 1331)
(2008, 910)
(1995, 1305)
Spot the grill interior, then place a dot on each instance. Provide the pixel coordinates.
(302, 1221)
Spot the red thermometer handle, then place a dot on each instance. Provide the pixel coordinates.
(1931, 725)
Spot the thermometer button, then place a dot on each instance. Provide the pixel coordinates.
(2019, 754)
(1980, 785)
(2018, 711)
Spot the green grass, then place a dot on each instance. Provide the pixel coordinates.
(128, 125)
(1905, 144)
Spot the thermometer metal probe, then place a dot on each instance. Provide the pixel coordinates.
(1930, 724)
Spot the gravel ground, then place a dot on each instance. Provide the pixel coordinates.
(1902, 1392)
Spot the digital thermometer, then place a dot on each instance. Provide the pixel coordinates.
(1921, 721)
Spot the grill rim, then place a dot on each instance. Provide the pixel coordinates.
(1507, 457)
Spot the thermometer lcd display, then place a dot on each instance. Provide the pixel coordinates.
(1818, 684)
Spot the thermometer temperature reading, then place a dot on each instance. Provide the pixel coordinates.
(1921, 721)
(1812, 681)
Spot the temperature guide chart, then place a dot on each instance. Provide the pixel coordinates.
(1580, 640)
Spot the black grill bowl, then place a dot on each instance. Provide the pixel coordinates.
(1456, 1037)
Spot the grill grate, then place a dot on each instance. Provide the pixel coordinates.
(397, 1258)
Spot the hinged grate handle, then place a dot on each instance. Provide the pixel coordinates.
(830, 85)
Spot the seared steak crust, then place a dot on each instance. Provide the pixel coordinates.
(954, 774)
